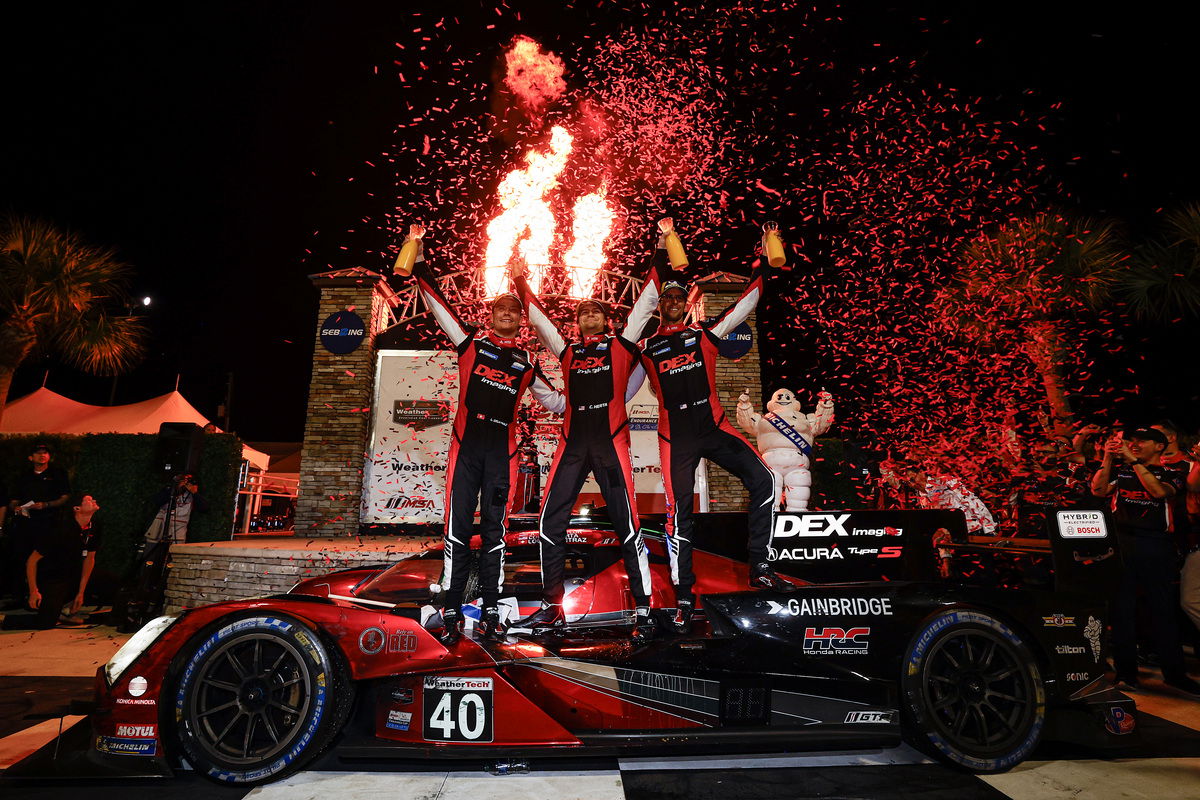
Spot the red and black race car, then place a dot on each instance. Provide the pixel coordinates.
(899, 628)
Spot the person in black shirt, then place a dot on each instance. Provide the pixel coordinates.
(1142, 492)
(60, 565)
(32, 508)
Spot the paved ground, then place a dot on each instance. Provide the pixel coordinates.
(41, 672)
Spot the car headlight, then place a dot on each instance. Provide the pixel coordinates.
(136, 645)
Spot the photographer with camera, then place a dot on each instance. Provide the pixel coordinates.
(176, 502)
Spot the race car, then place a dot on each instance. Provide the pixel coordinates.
(899, 628)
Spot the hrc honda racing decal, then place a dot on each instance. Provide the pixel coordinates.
(836, 641)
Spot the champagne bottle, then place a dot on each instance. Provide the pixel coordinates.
(675, 252)
(773, 246)
(408, 256)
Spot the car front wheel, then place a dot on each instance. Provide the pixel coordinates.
(258, 698)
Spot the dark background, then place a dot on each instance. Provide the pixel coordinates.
(222, 150)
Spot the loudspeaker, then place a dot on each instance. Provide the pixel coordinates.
(179, 447)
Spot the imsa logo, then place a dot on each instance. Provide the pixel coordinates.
(836, 641)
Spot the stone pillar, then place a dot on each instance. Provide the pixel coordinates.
(709, 297)
(340, 396)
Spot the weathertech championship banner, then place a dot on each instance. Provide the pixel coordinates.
(404, 478)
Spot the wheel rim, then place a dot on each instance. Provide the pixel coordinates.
(250, 699)
(981, 695)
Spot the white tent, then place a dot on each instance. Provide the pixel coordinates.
(45, 411)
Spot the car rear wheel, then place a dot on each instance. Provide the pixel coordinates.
(973, 693)
(258, 698)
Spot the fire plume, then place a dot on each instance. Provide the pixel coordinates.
(593, 221)
(526, 223)
(535, 77)
(525, 228)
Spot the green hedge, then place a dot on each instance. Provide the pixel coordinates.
(118, 470)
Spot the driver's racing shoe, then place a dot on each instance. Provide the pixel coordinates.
(763, 576)
(452, 630)
(493, 629)
(683, 616)
(547, 617)
(643, 625)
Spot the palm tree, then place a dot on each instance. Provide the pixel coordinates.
(56, 293)
(1016, 286)
(1163, 283)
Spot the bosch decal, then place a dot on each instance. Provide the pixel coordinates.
(1081, 525)
(836, 641)
(833, 606)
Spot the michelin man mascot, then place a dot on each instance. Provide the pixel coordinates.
(784, 437)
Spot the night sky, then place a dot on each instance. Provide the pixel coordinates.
(225, 150)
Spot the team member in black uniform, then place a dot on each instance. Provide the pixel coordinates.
(680, 360)
(601, 372)
(493, 374)
(1143, 492)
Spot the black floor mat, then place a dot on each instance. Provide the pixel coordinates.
(26, 700)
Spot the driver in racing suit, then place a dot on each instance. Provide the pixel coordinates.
(601, 372)
(680, 360)
(494, 373)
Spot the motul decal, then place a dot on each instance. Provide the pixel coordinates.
(137, 731)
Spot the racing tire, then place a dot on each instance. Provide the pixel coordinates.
(258, 698)
(973, 695)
